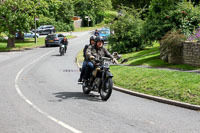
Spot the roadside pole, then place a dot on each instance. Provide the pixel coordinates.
(35, 32)
(88, 18)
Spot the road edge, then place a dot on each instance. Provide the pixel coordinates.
(154, 98)
(30, 48)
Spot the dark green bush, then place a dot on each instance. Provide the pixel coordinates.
(171, 46)
(165, 15)
(127, 29)
(2, 39)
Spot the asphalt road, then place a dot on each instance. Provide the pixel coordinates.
(39, 94)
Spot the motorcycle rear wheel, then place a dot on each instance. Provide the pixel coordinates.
(86, 90)
(106, 91)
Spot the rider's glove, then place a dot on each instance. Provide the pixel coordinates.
(92, 57)
(115, 61)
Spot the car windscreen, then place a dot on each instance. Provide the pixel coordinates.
(51, 36)
(104, 32)
(41, 27)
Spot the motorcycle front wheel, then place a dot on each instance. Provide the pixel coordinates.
(106, 91)
(62, 52)
(86, 89)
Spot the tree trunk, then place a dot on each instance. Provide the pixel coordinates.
(11, 40)
(20, 36)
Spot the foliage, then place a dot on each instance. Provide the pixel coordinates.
(57, 13)
(127, 32)
(110, 16)
(59, 25)
(129, 3)
(155, 25)
(170, 46)
(94, 9)
(185, 17)
(165, 15)
(15, 16)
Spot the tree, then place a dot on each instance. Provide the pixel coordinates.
(65, 11)
(15, 16)
(94, 9)
(130, 3)
(127, 29)
(165, 15)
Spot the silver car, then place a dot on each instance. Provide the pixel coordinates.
(46, 29)
(31, 35)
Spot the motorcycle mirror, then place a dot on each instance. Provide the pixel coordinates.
(123, 61)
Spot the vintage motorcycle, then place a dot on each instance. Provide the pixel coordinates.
(63, 46)
(101, 79)
(62, 49)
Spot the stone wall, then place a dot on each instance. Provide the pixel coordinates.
(191, 53)
(185, 53)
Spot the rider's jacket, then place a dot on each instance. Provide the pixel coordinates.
(96, 33)
(97, 52)
(84, 52)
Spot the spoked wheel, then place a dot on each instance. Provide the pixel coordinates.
(106, 91)
(62, 52)
(86, 89)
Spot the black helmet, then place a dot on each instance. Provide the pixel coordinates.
(92, 38)
(99, 39)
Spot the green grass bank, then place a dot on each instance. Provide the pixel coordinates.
(180, 86)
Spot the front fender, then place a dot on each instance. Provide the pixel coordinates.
(109, 74)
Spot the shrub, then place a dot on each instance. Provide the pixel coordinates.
(2, 39)
(171, 47)
(127, 32)
(156, 24)
(165, 15)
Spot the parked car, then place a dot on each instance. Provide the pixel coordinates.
(55, 40)
(31, 35)
(27, 35)
(104, 33)
(46, 29)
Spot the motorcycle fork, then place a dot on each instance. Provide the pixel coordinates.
(102, 80)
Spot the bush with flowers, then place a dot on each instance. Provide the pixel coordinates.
(195, 36)
(165, 15)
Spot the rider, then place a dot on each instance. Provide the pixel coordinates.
(65, 43)
(92, 42)
(96, 33)
(96, 51)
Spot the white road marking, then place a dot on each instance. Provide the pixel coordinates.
(34, 106)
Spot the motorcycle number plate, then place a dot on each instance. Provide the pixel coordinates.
(106, 64)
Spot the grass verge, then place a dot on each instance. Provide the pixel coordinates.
(151, 57)
(180, 86)
(28, 43)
